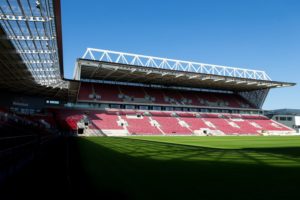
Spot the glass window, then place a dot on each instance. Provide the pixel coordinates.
(282, 118)
(129, 106)
(204, 110)
(169, 108)
(114, 106)
(104, 105)
(156, 108)
(144, 107)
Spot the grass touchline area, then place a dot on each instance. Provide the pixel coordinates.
(275, 151)
(225, 142)
(186, 167)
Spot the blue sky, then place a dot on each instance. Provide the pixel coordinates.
(256, 34)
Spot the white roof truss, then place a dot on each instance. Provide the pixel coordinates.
(172, 64)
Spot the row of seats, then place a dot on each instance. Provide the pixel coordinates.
(171, 123)
(119, 93)
(20, 133)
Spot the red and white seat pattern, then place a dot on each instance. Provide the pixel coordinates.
(120, 93)
(171, 123)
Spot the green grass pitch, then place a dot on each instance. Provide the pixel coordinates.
(193, 167)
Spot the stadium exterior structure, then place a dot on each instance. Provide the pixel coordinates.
(288, 117)
(121, 94)
(126, 67)
(112, 92)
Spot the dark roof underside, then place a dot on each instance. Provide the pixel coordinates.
(15, 77)
(99, 70)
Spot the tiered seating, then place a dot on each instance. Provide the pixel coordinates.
(86, 92)
(141, 126)
(69, 119)
(105, 120)
(209, 115)
(20, 139)
(224, 126)
(135, 92)
(270, 125)
(43, 119)
(246, 127)
(107, 92)
(173, 97)
(192, 96)
(232, 100)
(195, 123)
(186, 114)
(258, 123)
(137, 124)
(170, 125)
(99, 120)
(157, 95)
(209, 99)
(121, 93)
(73, 120)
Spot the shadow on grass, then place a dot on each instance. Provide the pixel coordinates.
(279, 156)
(125, 168)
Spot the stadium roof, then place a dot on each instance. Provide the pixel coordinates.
(34, 29)
(31, 49)
(31, 59)
(15, 76)
(125, 67)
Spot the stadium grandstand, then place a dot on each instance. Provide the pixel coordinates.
(116, 93)
(113, 93)
(131, 94)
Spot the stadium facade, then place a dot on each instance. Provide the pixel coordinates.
(119, 94)
(288, 117)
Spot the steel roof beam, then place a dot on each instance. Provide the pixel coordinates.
(39, 61)
(36, 51)
(21, 37)
(24, 18)
(172, 64)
